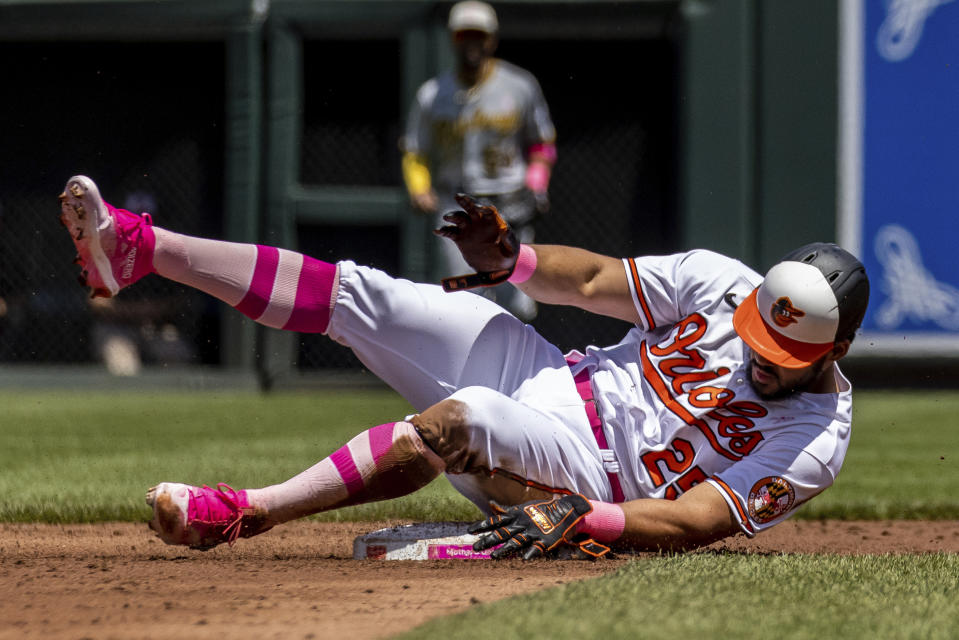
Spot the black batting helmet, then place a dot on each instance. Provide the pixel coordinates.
(815, 296)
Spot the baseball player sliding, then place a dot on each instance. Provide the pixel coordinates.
(720, 412)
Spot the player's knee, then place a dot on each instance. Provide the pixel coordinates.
(451, 427)
(444, 428)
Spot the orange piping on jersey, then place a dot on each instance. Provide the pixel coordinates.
(637, 284)
(659, 386)
(523, 481)
(740, 509)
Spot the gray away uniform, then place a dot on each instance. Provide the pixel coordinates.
(474, 140)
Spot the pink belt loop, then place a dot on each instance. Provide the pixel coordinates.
(585, 390)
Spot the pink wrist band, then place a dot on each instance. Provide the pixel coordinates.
(537, 177)
(525, 265)
(546, 151)
(604, 523)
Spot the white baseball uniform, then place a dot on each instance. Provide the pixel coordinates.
(676, 405)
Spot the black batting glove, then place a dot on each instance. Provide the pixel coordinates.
(537, 528)
(485, 240)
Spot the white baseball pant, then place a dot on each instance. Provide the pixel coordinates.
(524, 412)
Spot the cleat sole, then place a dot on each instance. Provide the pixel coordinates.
(80, 198)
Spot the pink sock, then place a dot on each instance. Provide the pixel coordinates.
(278, 288)
(387, 461)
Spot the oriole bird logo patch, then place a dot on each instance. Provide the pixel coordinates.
(784, 313)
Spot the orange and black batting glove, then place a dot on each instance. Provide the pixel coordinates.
(537, 528)
(485, 240)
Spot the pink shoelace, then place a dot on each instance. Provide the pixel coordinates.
(229, 496)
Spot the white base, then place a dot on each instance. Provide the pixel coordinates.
(421, 541)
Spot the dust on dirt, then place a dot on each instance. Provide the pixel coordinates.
(116, 580)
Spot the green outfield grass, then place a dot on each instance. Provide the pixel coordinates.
(794, 597)
(83, 457)
(903, 460)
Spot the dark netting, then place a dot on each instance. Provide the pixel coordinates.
(351, 129)
(145, 122)
(613, 189)
(373, 245)
(351, 112)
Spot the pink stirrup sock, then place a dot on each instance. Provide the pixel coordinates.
(278, 288)
(387, 461)
(605, 523)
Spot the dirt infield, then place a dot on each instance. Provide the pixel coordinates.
(300, 581)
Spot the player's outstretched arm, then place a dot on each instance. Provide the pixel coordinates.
(580, 278)
(553, 274)
(697, 518)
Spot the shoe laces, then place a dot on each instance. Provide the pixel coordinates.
(128, 219)
(144, 220)
(229, 496)
(134, 222)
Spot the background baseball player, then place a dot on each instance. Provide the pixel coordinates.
(482, 128)
(720, 412)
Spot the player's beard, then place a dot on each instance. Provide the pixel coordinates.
(783, 390)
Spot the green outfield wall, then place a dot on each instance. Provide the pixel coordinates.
(680, 124)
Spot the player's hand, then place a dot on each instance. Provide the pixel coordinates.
(537, 528)
(485, 240)
(425, 202)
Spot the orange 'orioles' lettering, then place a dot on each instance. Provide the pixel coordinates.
(734, 426)
(688, 358)
(662, 391)
(733, 419)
